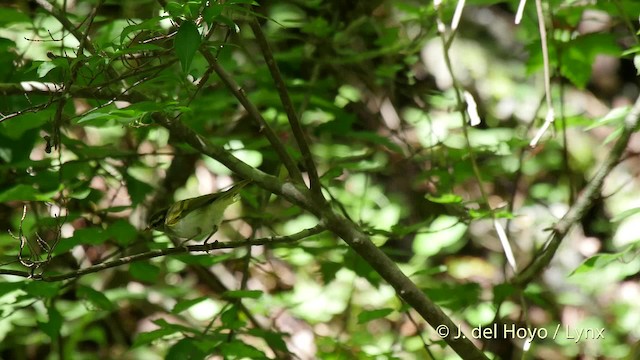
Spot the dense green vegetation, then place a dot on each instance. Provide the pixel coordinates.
(428, 179)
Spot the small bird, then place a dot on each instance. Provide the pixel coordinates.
(195, 218)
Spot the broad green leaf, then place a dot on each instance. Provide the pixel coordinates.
(186, 43)
(445, 233)
(42, 289)
(369, 315)
(10, 15)
(183, 305)
(17, 127)
(26, 193)
(230, 319)
(185, 349)
(53, 326)
(174, 9)
(454, 296)
(144, 271)
(97, 298)
(149, 337)
(90, 236)
(275, 340)
(238, 349)
(598, 262)
(122, 232)
(150, 24)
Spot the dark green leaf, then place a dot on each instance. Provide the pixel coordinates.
(97, 298)
(149, 337)
(238, 349)
(231, 320)
(275, 340)
(42, 289)
(144, 271)
(26, 193)
(241, 294)
(185, 349)
(369, 315)
(122, 232)
(183, 305)
(90, 236)
(186, 43)
(53, 326)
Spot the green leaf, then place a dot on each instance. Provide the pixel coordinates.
(138, 190)
(369, 315)
(97, 298)
(454, 296)
(7, 287)
(16, 128)
(237, 349)
(53, 326)
(625, 214)
(186, 43)
(26, 193)
(616, 116)
(149, 337)
(241, 294)
(9, 15)
(144, 271)
(600, 261)
(445, 233)
(183, 305)
(122, 232)
(501, 292)
(174, 9)
(578, 56)
(150, 24)
(445, 199)
(41, 289)
(275, 340)
(185, 349)
(231, 320)
(204, 260)
(90, 236)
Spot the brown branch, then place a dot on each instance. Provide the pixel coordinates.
(340, 226)
(294, 121)
(171, 251)
(47, 89)
(584, 200)
(239, 93)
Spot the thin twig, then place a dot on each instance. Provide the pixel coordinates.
(294, 120)
(172, 251)
(583, 202)
(239, 93)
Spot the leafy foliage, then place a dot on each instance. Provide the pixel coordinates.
(95, 100)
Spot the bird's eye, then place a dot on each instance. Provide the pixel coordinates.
(158, 218)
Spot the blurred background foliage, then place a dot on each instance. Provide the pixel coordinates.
(378, 104)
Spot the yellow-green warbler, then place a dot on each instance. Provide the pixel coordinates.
(194, 218)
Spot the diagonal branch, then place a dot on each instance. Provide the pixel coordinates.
(239, 93)
(294, 121)
(581, 206)
(342, 227)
